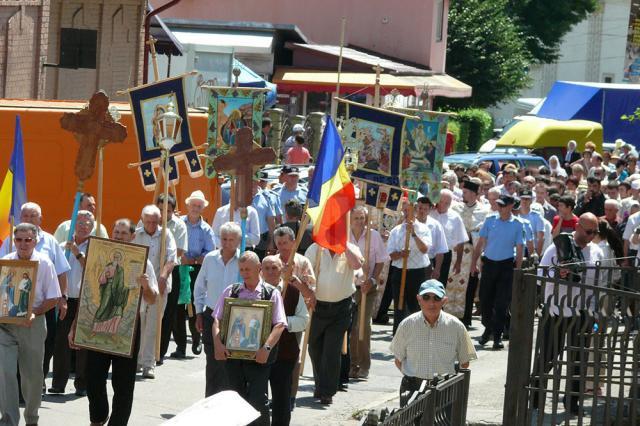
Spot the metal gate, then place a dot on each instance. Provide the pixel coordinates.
(574, 351)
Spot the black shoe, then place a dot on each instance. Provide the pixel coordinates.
(484, 339)
(326, 400)
(316, 394)
(342, 387)
(178, 355)
(160, 362)
(196, 348)
(497, 344)
(81, 393)
(56, 391)
(383, 320)
(292, 403)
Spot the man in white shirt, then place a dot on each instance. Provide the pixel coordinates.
(253, 224)
(438, 247)
(25, 344)
(454, 231)
(219, 270)
(418, 263)
(87, 202)
(150, 235)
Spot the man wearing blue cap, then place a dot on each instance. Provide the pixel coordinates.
(429, 343)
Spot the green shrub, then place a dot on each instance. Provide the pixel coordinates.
(475, 127)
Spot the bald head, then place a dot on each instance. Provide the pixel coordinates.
(271, 269)
(586, 230)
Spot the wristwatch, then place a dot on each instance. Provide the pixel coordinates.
(268, 348)
(80, 255)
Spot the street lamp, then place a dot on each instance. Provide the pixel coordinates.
(166, 128)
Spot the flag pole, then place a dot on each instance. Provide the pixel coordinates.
(334, 104)
(367, 266)
(11, 225)
(405, 257)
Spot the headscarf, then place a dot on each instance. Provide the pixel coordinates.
(558, 170)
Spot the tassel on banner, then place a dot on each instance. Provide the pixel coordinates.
(383, 197)
(371, 195)
(193, 164)
(148, 176)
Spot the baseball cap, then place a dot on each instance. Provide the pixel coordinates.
(290, 170)
(504, 200)
(526, 193)
(298, 128)
(516, 205)
(432, 286)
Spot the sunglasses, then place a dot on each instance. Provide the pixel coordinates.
(589, 231)
(20, 240)
(428, 297)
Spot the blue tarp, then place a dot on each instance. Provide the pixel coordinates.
(248, 78)
(600, 102)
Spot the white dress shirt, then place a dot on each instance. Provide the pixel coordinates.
(48, 246)
(416, 258)
(438, 238)
(153, 242)
(297, 322)
(253, 224)
(453, 227)
(335, 278)
(74, 275)
(213, 278)
(46, 285)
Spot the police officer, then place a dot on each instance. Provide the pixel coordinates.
(502, 239)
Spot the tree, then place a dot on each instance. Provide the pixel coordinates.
(486, 50)
(545, 22)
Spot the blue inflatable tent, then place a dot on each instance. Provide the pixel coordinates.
(604, 103)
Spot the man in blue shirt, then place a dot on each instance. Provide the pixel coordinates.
(200, 242)
(291, 189)
(534, 218)
(266, 219)
(502, 239)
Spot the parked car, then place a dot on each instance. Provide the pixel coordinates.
(497, 160)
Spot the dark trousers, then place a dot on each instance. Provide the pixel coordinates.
(559, 334)
(415, 277)
(472, 285)
(182, 316)
(345, 359)
(50, 342)
(330, 322)
(169, 317)
(251, 380)
(495, 294)
(216, 374)
(280, 379)
(446, 266)
(123, 380)
(385, 302)
(62, 353)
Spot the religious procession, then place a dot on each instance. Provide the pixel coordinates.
(208, 218)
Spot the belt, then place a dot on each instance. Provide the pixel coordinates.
(321, 303)
(418, 381)
(504, 261)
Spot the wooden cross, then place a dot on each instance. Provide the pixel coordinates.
(241, 162)
(376, 96)
(92, 127)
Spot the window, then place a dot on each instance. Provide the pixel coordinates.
(78, 48)
(607, 77)
(439, 19)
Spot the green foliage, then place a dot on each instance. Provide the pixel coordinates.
(475, 127)
(632, 117)
(486, 50)
(545, 22)
(454, 127)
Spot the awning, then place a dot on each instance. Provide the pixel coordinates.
(248, 78)
(167, 43)
(240, 41)
(300, 80)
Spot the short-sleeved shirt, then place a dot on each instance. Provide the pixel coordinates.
(298, 155)
(47, 286)
(48, 246)
(426, 351)
(536, 221)
(62, 231)
(453, 227)
(438, 238)
(153, 242)
(395, 243)
(262, 204)
(300, 194)
(200, 236)
(253, 224)
(274, 199)
(567, 225)
(528, 229)
(503, 236)
(74, 275)
(179, 230)
(377, 250)
(334, 280)
(278, 316)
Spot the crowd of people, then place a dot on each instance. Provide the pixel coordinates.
(461, 254)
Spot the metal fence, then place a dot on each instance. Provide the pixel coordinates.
(574, 352)
(441, 403)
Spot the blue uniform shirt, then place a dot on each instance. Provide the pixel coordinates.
(200, 237)
(535, 220)
(263, 206)
(299, 194)
(502, 237)
(528, 229)
(274, 199)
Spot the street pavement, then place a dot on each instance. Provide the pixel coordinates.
(180, 383)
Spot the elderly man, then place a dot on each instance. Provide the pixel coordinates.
(454, 231)
(62, 355)
(502, 242)
(542, 198)
(123, 369)
(219, 270)
(87, 202)
(438, 247)
(429, 343)
(335, 275)
(250, 377)
(367, 286)
(574, 327)
(24, 345)
(179, 231)
(150, 235)
(253, 224)
(571, 155)
(281, 376)
(291, 188)
(48, 246)
(200, 237)
(611, 209)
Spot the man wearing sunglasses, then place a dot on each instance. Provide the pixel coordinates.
(430, 342)
(24, 344)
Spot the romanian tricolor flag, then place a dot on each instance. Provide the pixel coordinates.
(13, 193)
(331, 195)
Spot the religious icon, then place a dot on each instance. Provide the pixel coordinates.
(17, 290)
(231, 109)
(246, 324)
(110, 296)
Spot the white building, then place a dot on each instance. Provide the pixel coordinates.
(592, 51)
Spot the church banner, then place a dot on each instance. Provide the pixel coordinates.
(231, 109)
(632, 53)
(397, 148)
(148, 102)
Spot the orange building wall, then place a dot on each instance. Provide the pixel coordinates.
(50, 154)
